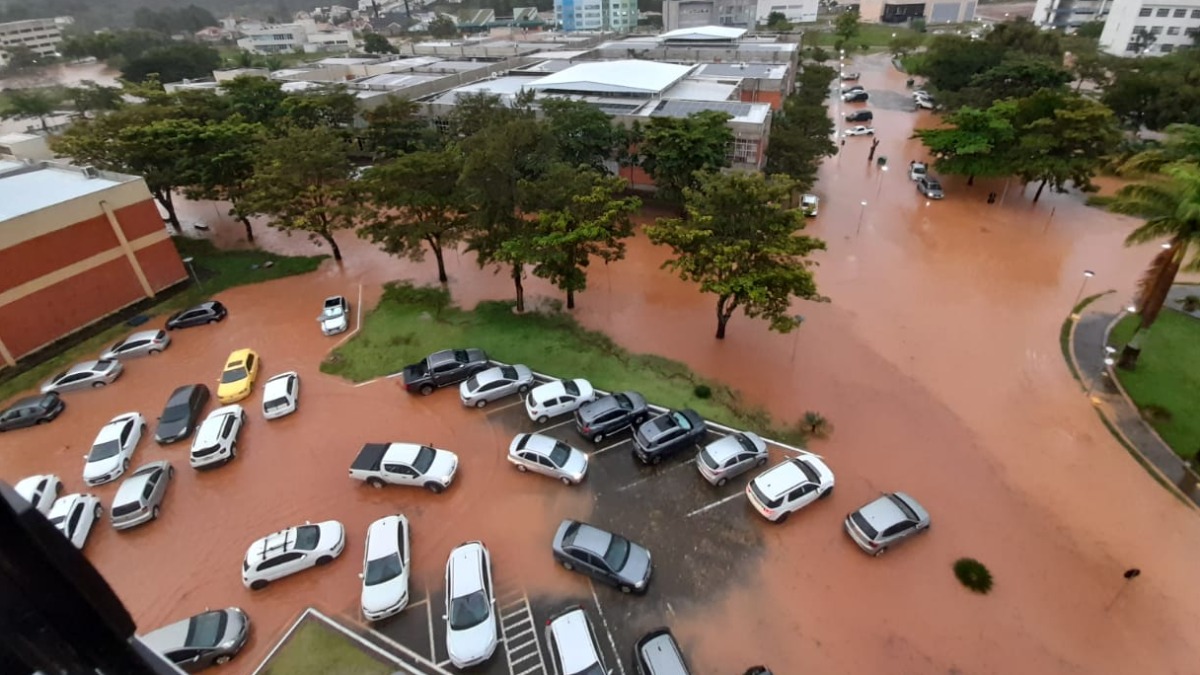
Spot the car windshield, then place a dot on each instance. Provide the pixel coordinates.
(571, 387)
(617, 553)
(904, 508)
(473, 383)
(560, 454)
(934, 185)
(233, 375)
(708, 459)
(207, 629)
(747, 444)
(307, 537)
(469, 610)
(104, 450)
(424, 459)
(383, 569)
(681, 420)
(175, 412)
(333, 310)
(509, 373)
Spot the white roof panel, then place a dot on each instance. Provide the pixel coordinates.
(700, 90)
(630, 76)
(704, 33)
(23, 192)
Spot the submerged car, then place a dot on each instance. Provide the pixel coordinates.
(40, 409)
(40, 491)
(207, 639)
(885, 522)
(281, 395)
(204, 313)
(335, 315)
(859, 130)
(113, 448)
(386, 563)
(810, 205)
(140, 497)
(930, 187)
(548, 456)
(657, 653)
(89, 374)
(144, 343)
(572, 643)
(472, 631)
(237, 377)
(789, 486)
(179, 415)
(917, 170)
(290, 551)
(602, 555)
(74, 515)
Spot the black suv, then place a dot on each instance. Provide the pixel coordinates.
(855, 96)
(449, 366)
(605, 416)
(205, 312)
(667, 434)
(179, 415)
(860, 116)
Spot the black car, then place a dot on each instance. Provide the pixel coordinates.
(849, 90)
(855, 96)
(449, 366)
(860, 116)
(667, 434)
(30, 411)
(205, 312)
(605, 416)
(180, 414)
(602, 555)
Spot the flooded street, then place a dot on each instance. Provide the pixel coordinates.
(937, 361)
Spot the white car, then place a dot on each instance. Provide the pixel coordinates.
(281, 395)
(143, 343)
(859, 130)
(789, 486)
(335, 315)
(385, 568)
(557, 398)
(924, 103)
(216, 439)
(917, 170)
(379, 464)
(40, 491)
(113, 448)
(549, 456)
(74, 515)
(920, 93)
(292, 550)
(810, 205)
(572, 644)
(471, 626)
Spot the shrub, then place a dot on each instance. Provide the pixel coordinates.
(1190, 303)
(816, 425)
(702, 391)
(973, 574)
(1156, 413)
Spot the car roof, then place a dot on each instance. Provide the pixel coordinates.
(466, 568)
(239, 355)
(131, 488)
(277, 386)
(170, 637)
(591, 539)
(142, 335)
(64, 504)
(882, 513)
(383, 536)
(82, 366)
(539, 444)
(182, 394)
(272, 544)
(112, 430)
(211, 427)
(404, 453)
(574, 639)
(29, 401)
(552, 388)
(781, 478)
(492, 374)
(724, 448)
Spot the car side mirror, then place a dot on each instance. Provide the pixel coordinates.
(360, 575)
(443, 617)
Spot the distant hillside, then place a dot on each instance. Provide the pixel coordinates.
(93, 14)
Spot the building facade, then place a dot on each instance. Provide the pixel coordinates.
(41, 36)
(1137, 28)
(695, 13)
(76, 245)
(291, 37)
(1069, 14)
(796, 11)
(617, 16)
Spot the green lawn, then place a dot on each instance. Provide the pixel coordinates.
(411, 322)
(1167, 377)
(316, 649)
(218, 271)
(869, 35)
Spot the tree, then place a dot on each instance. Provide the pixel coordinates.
(21, 57)
(375, 43)
(1024, 37)
(90, 97)
(1171, 206)
(396, 128)
(415, 202)
(1155, 92)
(901, 45)
(331, 109)
(951, 61)
(222, 163)
(30, 104)
(778, 21)
(443, 27)
(256, 99)
(801, 136)
(302, 183)
(674, 149)
(1182, 144)
(582, 216)
(1091, 30)
(975, 142)
(812, 83)
(173, 62)
(740, 242)
(583, 134)
(1016, 76)
(846, 26)
(1064, 143)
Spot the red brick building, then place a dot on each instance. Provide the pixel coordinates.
(76, 245)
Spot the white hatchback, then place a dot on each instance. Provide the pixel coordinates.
(292, 550)
(471, 626)
(789, 486)
(281, 395)
(74, 515)
(385, 568)
(557, 398)
(40, 491)
(216, 440)
(113, 448)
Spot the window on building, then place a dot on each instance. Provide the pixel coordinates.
(1191, 32)
(743, 151)
(1180, 13)
(1156, 30)
(1145, 11)
(1196, 13)
(1132, 47)
(1173, 30)
(1162, 12)
(1167, 48)
(1139, 29)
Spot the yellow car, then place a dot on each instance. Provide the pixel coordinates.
(238, 377)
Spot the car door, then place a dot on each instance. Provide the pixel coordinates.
(192, 318)
(187, 659)
(545, 466)
(15, 419)
(400, 474)
(74, 520)
(72, 382)
(447, 373)
(896, 532)
(600, 569)
(279, 566)
(251, 366)
(492, 390)
(802, 496)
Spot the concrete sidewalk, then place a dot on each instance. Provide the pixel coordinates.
(1088, 340)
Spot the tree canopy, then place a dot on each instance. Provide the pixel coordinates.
(173, 62)
(673, 150)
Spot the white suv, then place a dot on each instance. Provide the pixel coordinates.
(216, 440)
(789, 486)
(292, 550)
(573, 645)
(281, 395)
(557, 398)
(471, 627)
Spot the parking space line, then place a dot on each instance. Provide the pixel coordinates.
(530, 670)
(528, 656)
(417, 603)
(610, 447)
(715, 504)
(429, 617)
(497, 409)
(607, 631)
(522, 633)
(644, 479)
(569, 420)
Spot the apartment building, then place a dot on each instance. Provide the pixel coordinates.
(303, 36)
(1069, 14)
(1137, 28)
(617, 16)
(695, 13)
(42, 36)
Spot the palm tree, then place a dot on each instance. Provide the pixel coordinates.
(1170, 203)
(1182, 144)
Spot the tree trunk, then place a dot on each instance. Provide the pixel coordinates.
(1152, 302)
(337, 252)
(435, 244)
(1041, 186)
(518, 270)
(249, 228)
(168, 203)
(1131, 351)
(570, 298)
(724, 311)
(971, 179)
(45, 127)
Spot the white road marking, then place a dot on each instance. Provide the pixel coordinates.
(610, 447)
(363, 384)
(417, 603)
(715, 504)
(639, 481)
(497, 409)
(526, 636)
(607, 631)
(429, 616)
(555, 426)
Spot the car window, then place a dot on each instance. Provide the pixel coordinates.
(491, 385)
(382, 569)
(74, 378)
(617, 553)
(125, 431)
(545, 462)
(508, 372)
(233, 375)
(76, 514)
(400, 469)
(149, 489)
(446, 367)
(560, 454)
(895, 529)
(279, 560)
(250, 362)
(469, 610)
(181, 655)
(228, 427)
(424, 459)
(571, 387)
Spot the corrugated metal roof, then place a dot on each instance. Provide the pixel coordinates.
(632, 76)
(704, 33)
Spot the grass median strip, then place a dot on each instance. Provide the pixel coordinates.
(316, 649)
(411, 322)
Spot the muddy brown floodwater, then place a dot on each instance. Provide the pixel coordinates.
(937, 360)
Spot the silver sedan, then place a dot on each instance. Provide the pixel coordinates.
(730, 457)
(495, 383)
(147, 342)
(84, 375)
(549, 456)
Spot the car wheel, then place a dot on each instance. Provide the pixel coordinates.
(155, 351)
(597, 438)
(324, 560)
(568, 566)
(880, 551)
(521, 468)
(258, 584)
(626, 590)
(212, 320)
(98, 511)
(761, 461)
(426, 389)
(565, 480)
(435, 488)
(375, 482)
(827, 492)
(154, 513)
(233, 451)
(97, 385)
(222, 659)
(722, 482)
(523, 389)
(782, 518)
(657, 459)
(481, 403)
(125, 464)
(170, 472)
(542, 419)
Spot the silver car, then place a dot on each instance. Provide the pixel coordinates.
(731, 457)
(145, 343)
(604, 556)
(84, 375)
(885, 522)
(495, 383)
(208, 639)
(549, 456)
(140, 497)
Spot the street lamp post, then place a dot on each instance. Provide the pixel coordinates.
(861, 211)
(796, 321)
(1087, 274)
(1108, 361)
(879, 188)
(188, 261)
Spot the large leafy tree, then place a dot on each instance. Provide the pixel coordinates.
(332, 108)
(415, 202)
(396, 128)
(583, 134)
(30, 104)
(443, 26)
(951, 61)
(90, 97)
(1064, 140)
(812, 83)
(581, 216)
(975, 142)
(256, 99)
(221, 164)
(375, 43)
(673, 150)
(1016, 76)
(173, 62)
(742, 243)
(302, 183)
(1155, 92)
(801, 136)
(1170, 204)
(1182, 144)
(846, 26)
